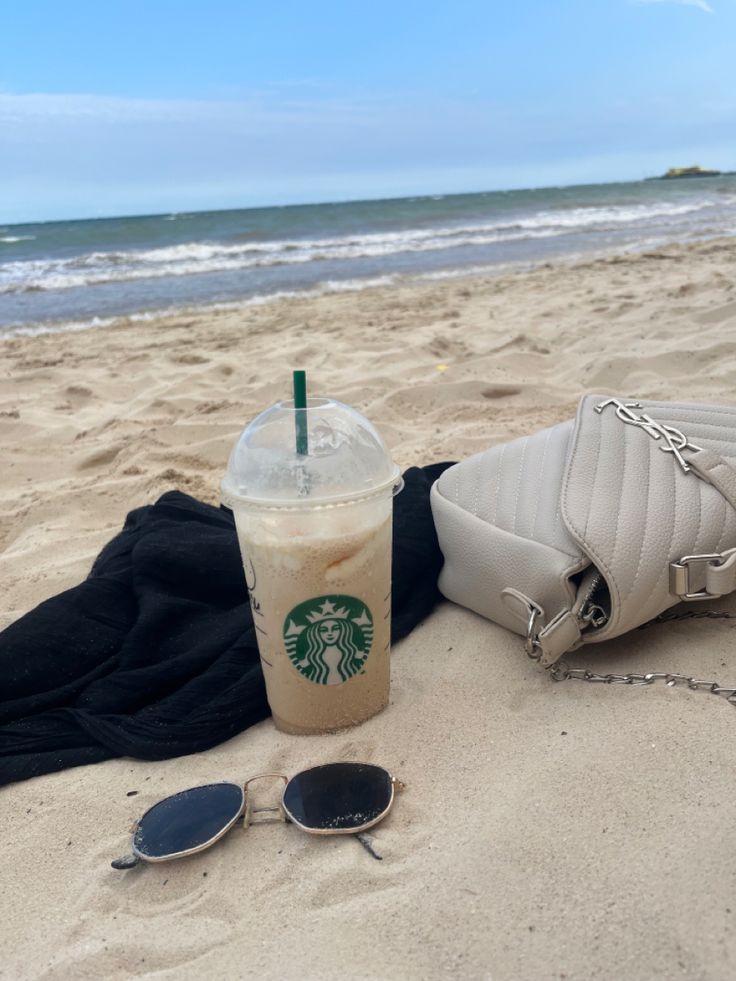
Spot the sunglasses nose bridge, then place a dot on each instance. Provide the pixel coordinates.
(251, 811)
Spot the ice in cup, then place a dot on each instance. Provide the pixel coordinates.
(315, 536)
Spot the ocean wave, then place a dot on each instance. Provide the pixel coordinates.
(191, 258)
(259, 299)
(61, 327)
(355, 284)
(17, 238)
(584, 217)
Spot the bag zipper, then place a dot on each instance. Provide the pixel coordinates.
(592, 614)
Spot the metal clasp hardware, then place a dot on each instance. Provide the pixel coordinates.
(532, 644)
(680, 576)
(675, 441)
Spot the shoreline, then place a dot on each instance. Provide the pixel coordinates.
(388, 280)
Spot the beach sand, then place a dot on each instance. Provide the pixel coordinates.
(551, 831)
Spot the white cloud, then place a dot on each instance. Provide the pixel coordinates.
(80, 155)
(700, 4)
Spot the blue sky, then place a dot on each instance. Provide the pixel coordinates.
(139, 107)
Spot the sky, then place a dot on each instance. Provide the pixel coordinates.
(151, 106)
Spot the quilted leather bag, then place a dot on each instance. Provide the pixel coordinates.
(583, 531)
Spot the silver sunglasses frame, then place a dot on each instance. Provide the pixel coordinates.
(246, 810)
(395, 785)
(198, 848)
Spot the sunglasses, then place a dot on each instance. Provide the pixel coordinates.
(332, 799)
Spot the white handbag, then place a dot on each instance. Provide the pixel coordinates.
(583, 531)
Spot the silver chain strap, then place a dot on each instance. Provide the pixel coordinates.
(666, 617)
(561, 670)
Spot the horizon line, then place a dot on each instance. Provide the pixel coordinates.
(322, 204)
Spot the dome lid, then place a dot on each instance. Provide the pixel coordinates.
(346, 458)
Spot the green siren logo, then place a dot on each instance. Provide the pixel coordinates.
(328, 638)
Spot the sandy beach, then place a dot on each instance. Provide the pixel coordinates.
(547, 831)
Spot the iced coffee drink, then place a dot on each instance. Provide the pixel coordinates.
(317, 560)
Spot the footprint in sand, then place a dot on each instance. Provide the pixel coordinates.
(447, 395)
(443, 347)
(206, 408)
(718, 314)
(522, 343)
(500, 391)
(340, 889)
(101, 458)
(190, 359)
(357, 749)
(77, 395)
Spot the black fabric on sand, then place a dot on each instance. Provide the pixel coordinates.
(154, 655)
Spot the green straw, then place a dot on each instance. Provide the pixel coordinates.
(300, 404)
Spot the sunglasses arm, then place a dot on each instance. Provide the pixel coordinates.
(366, 841)
(125, 862)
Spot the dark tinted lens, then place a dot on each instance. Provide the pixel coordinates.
(187, 820)
(338, 796)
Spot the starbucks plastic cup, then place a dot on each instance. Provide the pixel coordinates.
(315, 536)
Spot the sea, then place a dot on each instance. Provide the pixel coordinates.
(68, 275)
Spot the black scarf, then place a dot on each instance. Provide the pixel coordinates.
(154, 655)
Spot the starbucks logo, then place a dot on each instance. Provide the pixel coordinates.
(328, 638)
